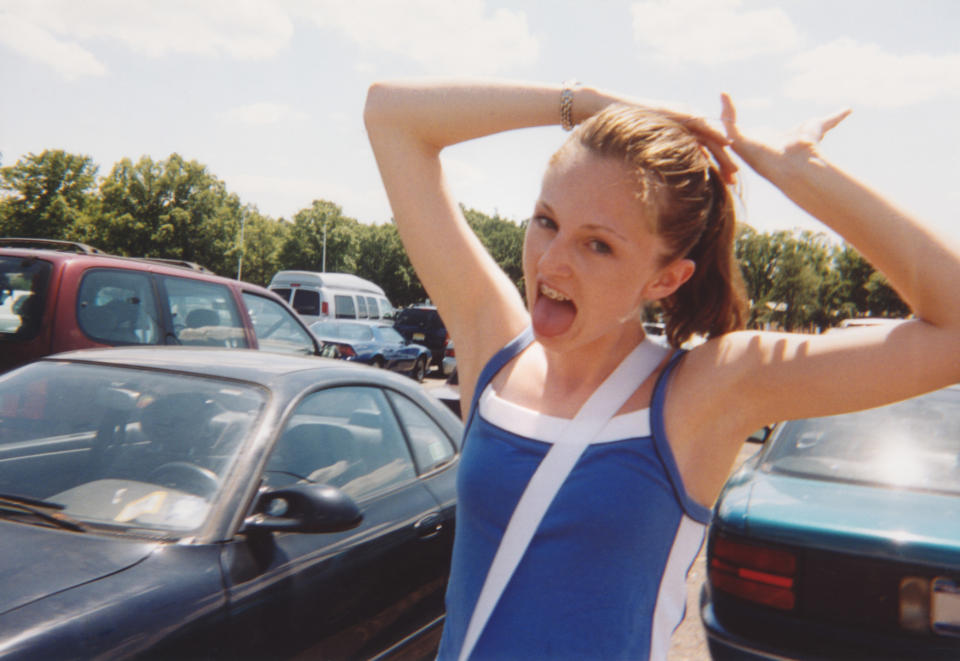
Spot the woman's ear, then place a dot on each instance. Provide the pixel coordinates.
(668, 279)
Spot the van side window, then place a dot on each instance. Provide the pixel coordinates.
(306, 301)
(276, 328)
(204, 313)
(372, 307)
(361, 308)
(345, 307)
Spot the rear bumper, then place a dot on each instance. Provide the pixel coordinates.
(780, 638)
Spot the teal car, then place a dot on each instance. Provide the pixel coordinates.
(840, 539)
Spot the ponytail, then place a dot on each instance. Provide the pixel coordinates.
(713, 301)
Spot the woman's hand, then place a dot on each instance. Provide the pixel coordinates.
(800, 143)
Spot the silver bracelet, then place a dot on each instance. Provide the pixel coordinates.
(566, 104)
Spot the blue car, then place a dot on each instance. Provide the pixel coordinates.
(372, 343)
(201, 503)
(840, 539)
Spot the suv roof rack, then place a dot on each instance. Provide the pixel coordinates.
(193, 266)
(49, 244)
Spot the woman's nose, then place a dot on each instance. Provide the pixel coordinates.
(555, 258)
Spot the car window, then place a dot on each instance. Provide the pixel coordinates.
(346, 437)
(387, 311)
(325, 329)
(306, 301)
(23, 295)
(389, 335)
(431, 447)
(357, 332)
(118, 307)
(282, 292)
(203, 313)
(345, 308)
(276, 329)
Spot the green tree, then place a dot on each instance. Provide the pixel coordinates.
(382, 259)
(173, 209)
(263, 238)
(47, 195)
(503, 239)
(323, 224)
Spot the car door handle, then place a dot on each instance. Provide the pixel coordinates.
(429, 526)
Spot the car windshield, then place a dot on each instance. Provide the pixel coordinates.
(23, 291)
(914, 444)
(121, 448)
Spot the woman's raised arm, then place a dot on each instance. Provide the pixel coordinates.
(781, 376)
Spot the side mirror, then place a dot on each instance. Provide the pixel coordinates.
(309, 508)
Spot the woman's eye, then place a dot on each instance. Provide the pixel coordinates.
(600, 247)
(545, 222)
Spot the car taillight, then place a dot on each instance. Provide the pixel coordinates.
(450, 352)
(325, 308)
(754, 572)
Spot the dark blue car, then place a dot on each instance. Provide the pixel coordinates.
(175, 502)
(372, 343)
(840, 539)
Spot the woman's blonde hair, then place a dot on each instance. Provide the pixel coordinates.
(693, 212)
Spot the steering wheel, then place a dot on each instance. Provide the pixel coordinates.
(185, 476)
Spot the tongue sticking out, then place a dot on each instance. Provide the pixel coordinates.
(552, 317)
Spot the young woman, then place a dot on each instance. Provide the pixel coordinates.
(576, 526)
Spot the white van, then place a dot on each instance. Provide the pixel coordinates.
(318, 296)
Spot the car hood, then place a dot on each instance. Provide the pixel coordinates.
(842, 517)
(36, 562)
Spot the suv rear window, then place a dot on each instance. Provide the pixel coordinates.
(23, 295)
(418, 317)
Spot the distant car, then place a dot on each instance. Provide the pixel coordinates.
(59, 296)
(173, 502)
(317, 296)
(449, 359)
(422, 324)
(449, 393)
(840, 539)
(372, 343)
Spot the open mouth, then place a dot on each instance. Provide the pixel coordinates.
(553, 311)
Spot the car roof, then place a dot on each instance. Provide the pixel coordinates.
(99, 258)
(243, 364)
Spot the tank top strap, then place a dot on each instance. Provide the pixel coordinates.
(695, 510)
(509, 351)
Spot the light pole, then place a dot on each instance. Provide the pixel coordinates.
(243, 220)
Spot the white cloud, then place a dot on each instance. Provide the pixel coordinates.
(711, 31)
(52, 30)
(848, 72)
(35, 42)
(443, 36)
(261, 114)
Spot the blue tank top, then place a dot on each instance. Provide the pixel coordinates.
(604, 577)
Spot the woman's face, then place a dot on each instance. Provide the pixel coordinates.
(590, 258)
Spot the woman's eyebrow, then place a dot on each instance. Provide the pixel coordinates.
(594, 227)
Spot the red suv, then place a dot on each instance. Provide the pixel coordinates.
(56, 296)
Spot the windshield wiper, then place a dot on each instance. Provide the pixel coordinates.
(40, 509)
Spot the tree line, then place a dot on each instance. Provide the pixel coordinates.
(177, 209)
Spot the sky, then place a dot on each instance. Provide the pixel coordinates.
(268, 95)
